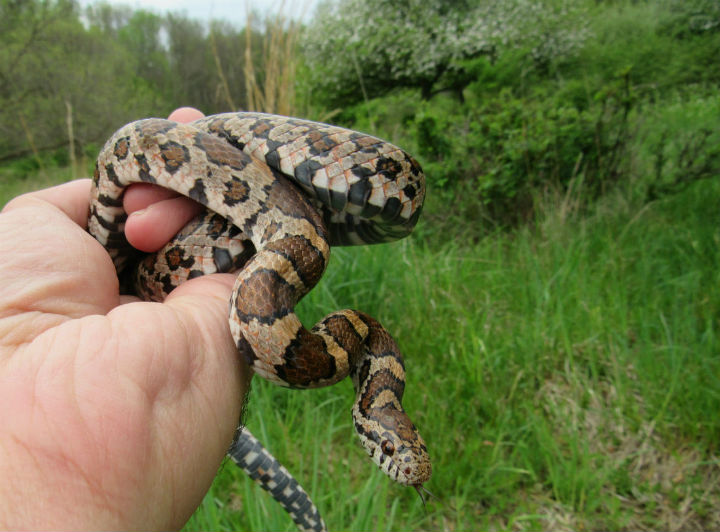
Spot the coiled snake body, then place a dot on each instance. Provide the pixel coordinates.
(279, 192)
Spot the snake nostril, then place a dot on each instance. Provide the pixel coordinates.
(387, 447)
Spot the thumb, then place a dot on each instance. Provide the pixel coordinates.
(202, 406)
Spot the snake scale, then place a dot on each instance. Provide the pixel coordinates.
(279, 192)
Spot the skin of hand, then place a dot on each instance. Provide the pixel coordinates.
(114, 413)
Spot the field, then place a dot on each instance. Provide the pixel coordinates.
(565, 376)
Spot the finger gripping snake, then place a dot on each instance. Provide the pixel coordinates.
(279, 193)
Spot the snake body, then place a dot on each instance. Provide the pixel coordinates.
(279, 192)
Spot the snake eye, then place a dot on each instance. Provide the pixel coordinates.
(408, 471)
(387, 447)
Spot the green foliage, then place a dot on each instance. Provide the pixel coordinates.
(693, 17)
(43, 62)
(66, 73)
(31, 173)
(610, 114)
(360, 49)
(653, 42)
(680, 144)
(489, 154)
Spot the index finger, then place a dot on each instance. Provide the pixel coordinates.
(72, 198)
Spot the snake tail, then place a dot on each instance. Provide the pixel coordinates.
(250, 455)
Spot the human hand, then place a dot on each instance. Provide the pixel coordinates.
(115, 413)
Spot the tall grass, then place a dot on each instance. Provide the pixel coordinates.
(566, 376)
(271, 88)
(275, 92)
(26, 175)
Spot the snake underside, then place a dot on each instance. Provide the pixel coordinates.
(279, 192)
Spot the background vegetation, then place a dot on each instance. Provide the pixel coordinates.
(558, 304)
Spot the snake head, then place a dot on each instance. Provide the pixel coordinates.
(395, 445)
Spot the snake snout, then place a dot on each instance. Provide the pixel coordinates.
(398, 449)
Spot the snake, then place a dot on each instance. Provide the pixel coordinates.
(279, 192)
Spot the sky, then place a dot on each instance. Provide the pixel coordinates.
(233, 11)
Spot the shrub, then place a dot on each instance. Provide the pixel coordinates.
(503, 147)
(678, 143)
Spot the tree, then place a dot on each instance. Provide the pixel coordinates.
(190, 62)
(357, 49)
(53, 71)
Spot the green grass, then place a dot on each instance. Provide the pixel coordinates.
(25, 175)
(565, 376)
